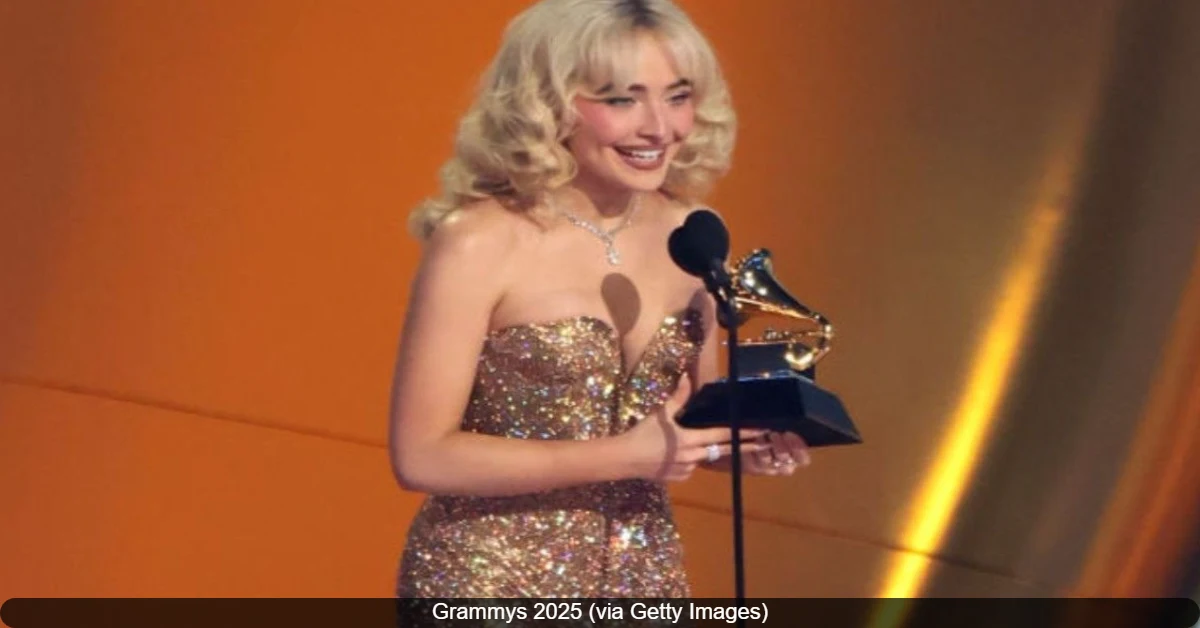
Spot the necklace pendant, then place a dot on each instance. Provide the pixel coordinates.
(607, 237)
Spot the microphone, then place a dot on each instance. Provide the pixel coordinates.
(700, 246)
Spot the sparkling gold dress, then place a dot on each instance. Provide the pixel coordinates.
(559, 380)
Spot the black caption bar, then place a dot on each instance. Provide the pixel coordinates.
(572, 613)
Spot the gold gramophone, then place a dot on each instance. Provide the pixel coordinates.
(757, 294)
(776, 371)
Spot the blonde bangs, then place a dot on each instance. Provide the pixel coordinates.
(603, 57)
(609, 57)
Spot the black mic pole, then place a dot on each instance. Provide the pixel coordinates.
(739, 573)
(720, 287)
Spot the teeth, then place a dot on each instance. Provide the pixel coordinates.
(643, 155)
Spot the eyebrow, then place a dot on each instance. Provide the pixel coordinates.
(638, 87)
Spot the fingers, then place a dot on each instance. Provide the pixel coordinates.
(797, 448)
(780, 451)
(763, 452)
(768, 468)
(715, 435)
(726, 450)
(763, 459)
(786, 453)
(795, 440)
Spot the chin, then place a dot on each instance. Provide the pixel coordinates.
(639, 180)
(645, 183)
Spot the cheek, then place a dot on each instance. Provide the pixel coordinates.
(599, 123)
(683, 120)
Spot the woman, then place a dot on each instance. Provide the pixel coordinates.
(550, 340)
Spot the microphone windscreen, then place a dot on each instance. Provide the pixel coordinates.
(701, 240)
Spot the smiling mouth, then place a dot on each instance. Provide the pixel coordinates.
(642, 158)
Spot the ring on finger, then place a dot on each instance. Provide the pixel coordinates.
(714, 452)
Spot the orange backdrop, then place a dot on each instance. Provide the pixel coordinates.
(203, 271)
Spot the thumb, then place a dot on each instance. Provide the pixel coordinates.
(681, 394)
(683, 389)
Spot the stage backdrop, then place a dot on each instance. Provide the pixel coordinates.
(203, 272)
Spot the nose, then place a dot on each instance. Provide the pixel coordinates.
(654, 122)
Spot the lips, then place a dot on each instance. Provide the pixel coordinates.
(642, 158)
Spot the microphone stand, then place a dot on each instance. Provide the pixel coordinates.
(720, 285)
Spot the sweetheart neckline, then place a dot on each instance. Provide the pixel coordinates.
(611, 334)
(588, 317)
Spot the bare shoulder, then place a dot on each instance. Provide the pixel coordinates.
(472, 257)
(484, 234)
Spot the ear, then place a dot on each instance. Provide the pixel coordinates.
(569, 121)
(570, 125)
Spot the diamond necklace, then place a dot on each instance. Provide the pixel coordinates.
(607, 237)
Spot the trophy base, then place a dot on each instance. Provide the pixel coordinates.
(780, 403)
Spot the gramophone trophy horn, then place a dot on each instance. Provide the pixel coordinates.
(777, 370)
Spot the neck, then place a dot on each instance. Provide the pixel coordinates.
(597, 203)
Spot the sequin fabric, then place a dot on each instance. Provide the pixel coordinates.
(559, 380)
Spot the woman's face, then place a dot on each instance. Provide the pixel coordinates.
(627, 135)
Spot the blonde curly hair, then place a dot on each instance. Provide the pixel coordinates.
(510, 144)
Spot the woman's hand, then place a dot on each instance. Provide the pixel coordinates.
(784, 452)
(662, 450)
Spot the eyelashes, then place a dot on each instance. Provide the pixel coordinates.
(680, 98)
(626, 101)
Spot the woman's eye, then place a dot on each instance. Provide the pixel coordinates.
(680, 98)
(618, 101)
